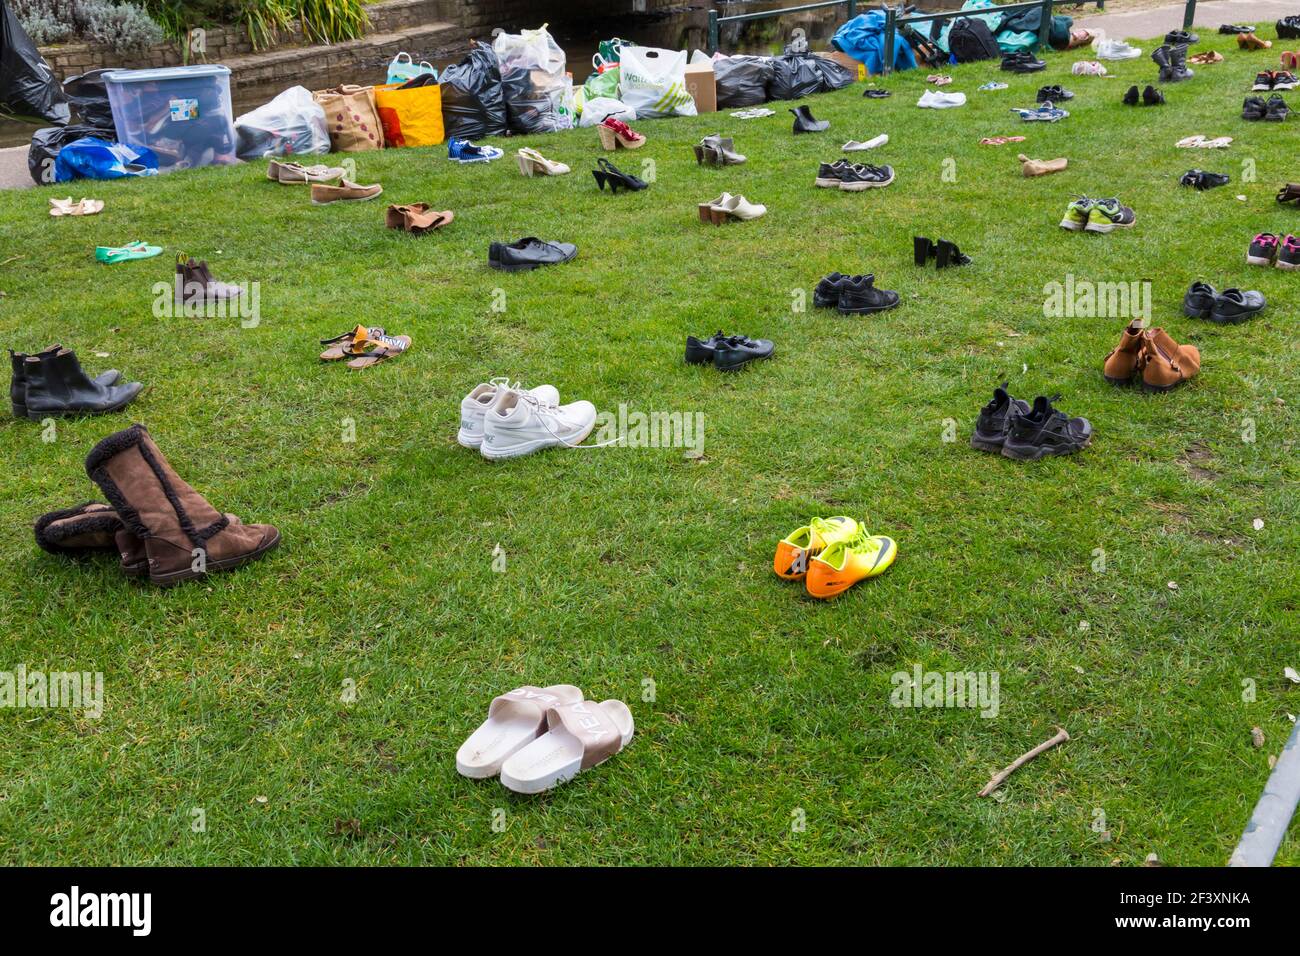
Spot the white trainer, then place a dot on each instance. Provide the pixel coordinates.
(1108, 49)
(520, 423)
(475, 405)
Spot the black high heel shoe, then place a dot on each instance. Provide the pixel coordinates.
(923, 250)
(609, 173)
(947, 254)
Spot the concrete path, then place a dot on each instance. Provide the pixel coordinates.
(1147, 24)
(13, 168)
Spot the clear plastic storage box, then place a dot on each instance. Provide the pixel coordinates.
(182, 113)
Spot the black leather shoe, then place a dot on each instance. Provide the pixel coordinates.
(736, 350)
(1152, 97)
(1176, 37)
(804, 122)
(874, 94)
(18, 380)
(923, 250)
(947, 254)
(827, 293)
(57, 386)
(1022, 62)
(1198, 302)
(1233, 306)
(1131, 96)
(1054, 94)
(1288, 28)
(1199, 179)
(860, 296)
(1231, 29)
(529, 253)
(700, 351)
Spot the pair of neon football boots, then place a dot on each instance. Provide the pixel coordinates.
(830, 555)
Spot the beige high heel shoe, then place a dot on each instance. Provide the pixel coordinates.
(533, 163)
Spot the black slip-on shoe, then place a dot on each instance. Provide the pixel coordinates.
(529, 253)
(1176, 37)
(994, 420)
(1022, 62)
(1131, 96)
(1152, 96)
(700, 351)
(737, 351)
(1044, 431)
(860, 296)
(1231, 29)
(876, 94)
(1200, 179)
(1233, 306)
(1198, 301)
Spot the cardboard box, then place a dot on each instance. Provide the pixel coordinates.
(702, 87)
(843, 59)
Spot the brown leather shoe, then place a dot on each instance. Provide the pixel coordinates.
(1123, 362)
(196, 287)
(184, 536)
(323, 194)
(1165, 363)
(1289, 193)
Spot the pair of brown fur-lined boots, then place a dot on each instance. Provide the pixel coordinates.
(158, 524)
(1151, 356)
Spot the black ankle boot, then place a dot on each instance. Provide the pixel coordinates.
(1131, 96)
(805, 123)
(56, 385)
(18, 381)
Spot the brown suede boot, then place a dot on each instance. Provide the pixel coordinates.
(184, 536)
(1165, 363)
(1123, 363)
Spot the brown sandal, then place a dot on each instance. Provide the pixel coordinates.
(386, 347)
(349, 343)
(416, 218)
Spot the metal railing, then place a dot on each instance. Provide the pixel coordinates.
(892, 18)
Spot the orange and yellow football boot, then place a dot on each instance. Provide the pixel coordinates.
(844, 563)
(794, 551)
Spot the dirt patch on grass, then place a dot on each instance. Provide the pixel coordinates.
(1194, 460)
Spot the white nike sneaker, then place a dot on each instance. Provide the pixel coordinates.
(520, 423)
(933, 99)
(1107, 49)
(475, 405)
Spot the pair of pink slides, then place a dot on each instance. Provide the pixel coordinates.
(536, 738)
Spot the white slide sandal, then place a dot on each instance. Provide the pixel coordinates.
(581, 736)
(514, 721)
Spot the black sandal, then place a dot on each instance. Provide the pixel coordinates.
(609, 173)
(949, 255)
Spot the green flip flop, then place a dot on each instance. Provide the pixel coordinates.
(132, 250)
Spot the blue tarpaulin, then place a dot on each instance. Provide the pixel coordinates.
(863, 38)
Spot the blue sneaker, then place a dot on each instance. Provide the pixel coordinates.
(992, 85)
(463, 151)
(1046, 113)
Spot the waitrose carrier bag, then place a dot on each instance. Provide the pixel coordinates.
(653, 82)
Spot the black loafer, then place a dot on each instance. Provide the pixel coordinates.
(1233, 306)
(529, 253)
(737, 351)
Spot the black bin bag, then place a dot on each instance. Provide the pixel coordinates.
(88, 97)
(742, 80)
(473, 102)
(794, 76)
(27, 85)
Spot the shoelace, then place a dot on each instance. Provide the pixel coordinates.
(543, 409)
(861, 543)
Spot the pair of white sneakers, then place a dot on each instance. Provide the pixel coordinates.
(502, 420)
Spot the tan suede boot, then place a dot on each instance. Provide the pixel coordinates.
(184, 536)
(1123, 362)
(1165, 363)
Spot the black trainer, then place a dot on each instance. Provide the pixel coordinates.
(1054, 94)
(830, 175)
(1263, 81)
(860, 295)
(736, 351)
(1175, 37)
(700, 351)
(1233, 306)
(1199, 179)
(1288, 28)
(1152, 97)
(1043, 431)
(827, 293)
(1276, 110)
(860, 176)
(995, 420)
(1131, 96)
(1198, 302)
(1253, 108)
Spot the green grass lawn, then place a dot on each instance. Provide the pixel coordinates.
(641, 572)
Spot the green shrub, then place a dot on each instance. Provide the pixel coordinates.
(121, 27)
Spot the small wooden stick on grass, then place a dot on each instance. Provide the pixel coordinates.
(998, 778)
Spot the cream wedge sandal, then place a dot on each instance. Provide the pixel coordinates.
(533, 163)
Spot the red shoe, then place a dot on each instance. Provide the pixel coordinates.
(615, 133)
